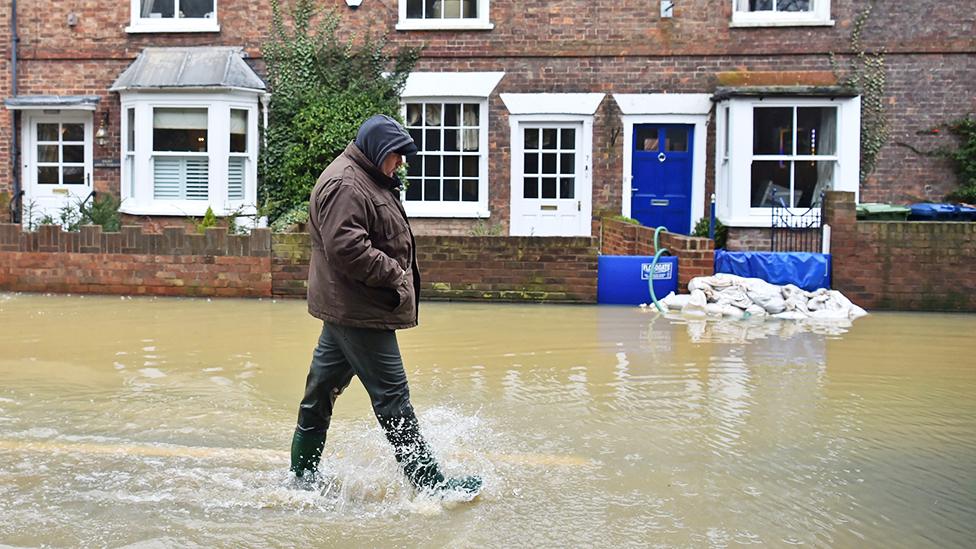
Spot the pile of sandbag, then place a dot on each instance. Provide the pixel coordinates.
(726, 295)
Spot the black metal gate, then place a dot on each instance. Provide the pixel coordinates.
(796, 232)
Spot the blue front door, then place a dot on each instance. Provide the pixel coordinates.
(661, 184)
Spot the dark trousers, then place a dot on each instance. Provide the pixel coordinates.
(371, 355)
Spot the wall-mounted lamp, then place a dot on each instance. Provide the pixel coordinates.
(353, 3)
(101, 134)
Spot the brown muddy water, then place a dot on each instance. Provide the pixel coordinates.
(166, 422)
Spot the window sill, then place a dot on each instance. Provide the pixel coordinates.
(181, 208)
(473, 211)
(756, 221)
(430, 25)
(781, 22)
(173, 26)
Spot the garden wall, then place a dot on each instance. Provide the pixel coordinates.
(696, 255)
(173, 263)
(910, 265)
(491, 268)
(177, 263)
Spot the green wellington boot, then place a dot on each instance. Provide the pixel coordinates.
(306, 451)
(418, 462)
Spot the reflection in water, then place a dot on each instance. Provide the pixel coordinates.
(166, 422)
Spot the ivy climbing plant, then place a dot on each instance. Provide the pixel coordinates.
(964, 159)
(867, 74)
(323, 88)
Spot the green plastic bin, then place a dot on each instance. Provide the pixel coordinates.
(882, 212)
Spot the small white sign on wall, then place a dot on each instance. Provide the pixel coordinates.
(667, 8)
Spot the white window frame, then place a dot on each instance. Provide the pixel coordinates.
(452, 208)
(472, 23)
(137, 187)
(818, 16)
(141, 24)
(733, 178)
(454, 87)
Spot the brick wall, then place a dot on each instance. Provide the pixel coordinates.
(696, 256)
(177, 263)
(508, 268)
(173, 263)
(290, 255)
(568, 46)
(490, 268)
(901, 265)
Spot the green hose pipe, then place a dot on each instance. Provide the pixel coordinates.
(658, 252)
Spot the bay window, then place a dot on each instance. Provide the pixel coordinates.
(185, 152)
(782, 151)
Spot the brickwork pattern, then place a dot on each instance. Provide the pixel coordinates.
(901, 265)
(696, 256)
(508, 268)
(129, 262)
(177, 263)
(569, 46)
(291, 253)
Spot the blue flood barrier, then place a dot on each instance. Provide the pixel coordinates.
(809, 271)
(622, 279)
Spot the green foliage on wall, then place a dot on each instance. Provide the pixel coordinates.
(964, 160)
(102, 210)
(323, 88)
(866, 73)
(209, 220)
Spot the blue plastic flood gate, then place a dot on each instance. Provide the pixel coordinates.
(622, 279)
(806, 270)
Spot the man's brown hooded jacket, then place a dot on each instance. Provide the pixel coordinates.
(363, 271)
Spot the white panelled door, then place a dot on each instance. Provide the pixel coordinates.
(57, 163)
(551, 183)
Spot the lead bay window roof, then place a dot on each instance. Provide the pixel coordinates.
(189, 68)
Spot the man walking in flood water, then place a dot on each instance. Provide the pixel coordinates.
(364, 284)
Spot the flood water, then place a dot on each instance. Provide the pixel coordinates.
(166, 423)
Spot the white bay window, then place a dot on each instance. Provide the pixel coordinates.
(783, 152)
(183, 153)
(763, 13)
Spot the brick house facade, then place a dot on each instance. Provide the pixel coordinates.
(536, 114)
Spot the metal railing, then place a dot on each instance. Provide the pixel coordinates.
(795, 232)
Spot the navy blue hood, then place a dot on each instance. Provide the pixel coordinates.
(380, 135)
